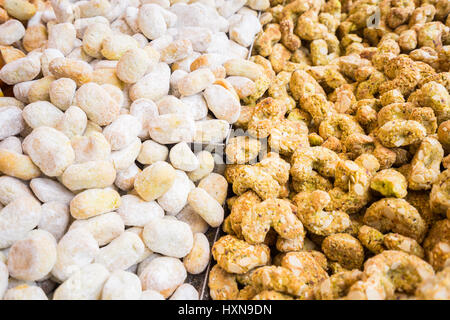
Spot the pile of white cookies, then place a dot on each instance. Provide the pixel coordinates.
(101, 195)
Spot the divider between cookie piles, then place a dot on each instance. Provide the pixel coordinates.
(205, 292)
